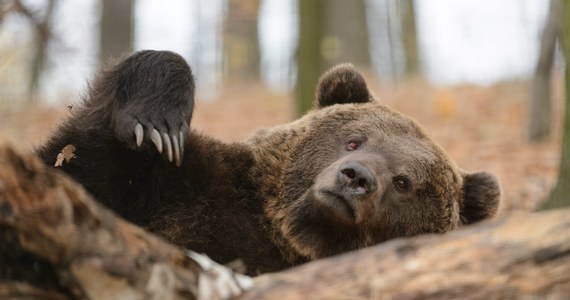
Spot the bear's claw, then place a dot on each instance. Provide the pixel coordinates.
(181, 141)
(156, 139)
(176, 150)
(168, 145)
(174, 144)
(139, 134)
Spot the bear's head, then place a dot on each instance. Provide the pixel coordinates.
(352, 173)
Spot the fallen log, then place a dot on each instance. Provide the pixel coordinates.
(56, 242)
(522, 256)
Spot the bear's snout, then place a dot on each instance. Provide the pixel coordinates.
(355, 179)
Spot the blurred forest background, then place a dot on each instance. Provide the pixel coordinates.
(484, 77)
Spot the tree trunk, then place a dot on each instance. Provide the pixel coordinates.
(560, 196)
(241, 41)
(116, 28)
(310, 64)
(57, 243)
(409, 35)
(540, 108)
(41, 23)
(345, 41)
(524, 256)
(42, 39)
(325, 39)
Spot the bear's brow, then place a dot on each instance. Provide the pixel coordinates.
(414, 156)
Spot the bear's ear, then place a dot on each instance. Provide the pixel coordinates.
(481, 196)
(342, 84)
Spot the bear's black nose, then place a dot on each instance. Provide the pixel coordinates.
(356, 177)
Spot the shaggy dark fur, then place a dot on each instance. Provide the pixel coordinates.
(349, 174)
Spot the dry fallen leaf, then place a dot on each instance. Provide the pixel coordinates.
(67, 153)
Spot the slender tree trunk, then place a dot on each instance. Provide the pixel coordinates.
(116, 28)
(560, 197)
(345, 41)
(326, 39)
(540, 109)
(241, 41)
(309, 60)
(394, 68)
(409, 35)
(42, 36)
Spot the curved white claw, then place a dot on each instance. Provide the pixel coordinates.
(176, 147)
(168, 144)
(181, 141)
(139, 132)
(155, 138)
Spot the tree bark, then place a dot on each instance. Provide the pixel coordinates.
(58, 243)
(540, 108)
(523, 256)
(325, 40)
(310, 64)
(241, 40)
(560, 196)
(345, 41)
(409, 35)
(116, 28)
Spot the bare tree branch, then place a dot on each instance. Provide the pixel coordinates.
(41, 24)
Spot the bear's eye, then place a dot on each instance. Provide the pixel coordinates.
(402, 183)
(352, 145)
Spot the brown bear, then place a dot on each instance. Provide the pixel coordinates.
(349, 174)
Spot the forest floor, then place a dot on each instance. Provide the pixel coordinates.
(481, 128)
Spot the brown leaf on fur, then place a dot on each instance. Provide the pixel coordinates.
(67, 153)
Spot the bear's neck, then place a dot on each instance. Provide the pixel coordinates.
(273, 150)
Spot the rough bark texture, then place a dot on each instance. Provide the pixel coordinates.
(525, 256)
(57, 243)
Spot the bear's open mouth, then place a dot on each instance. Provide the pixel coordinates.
(338, 206)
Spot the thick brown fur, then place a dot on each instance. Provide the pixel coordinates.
(349, 174)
